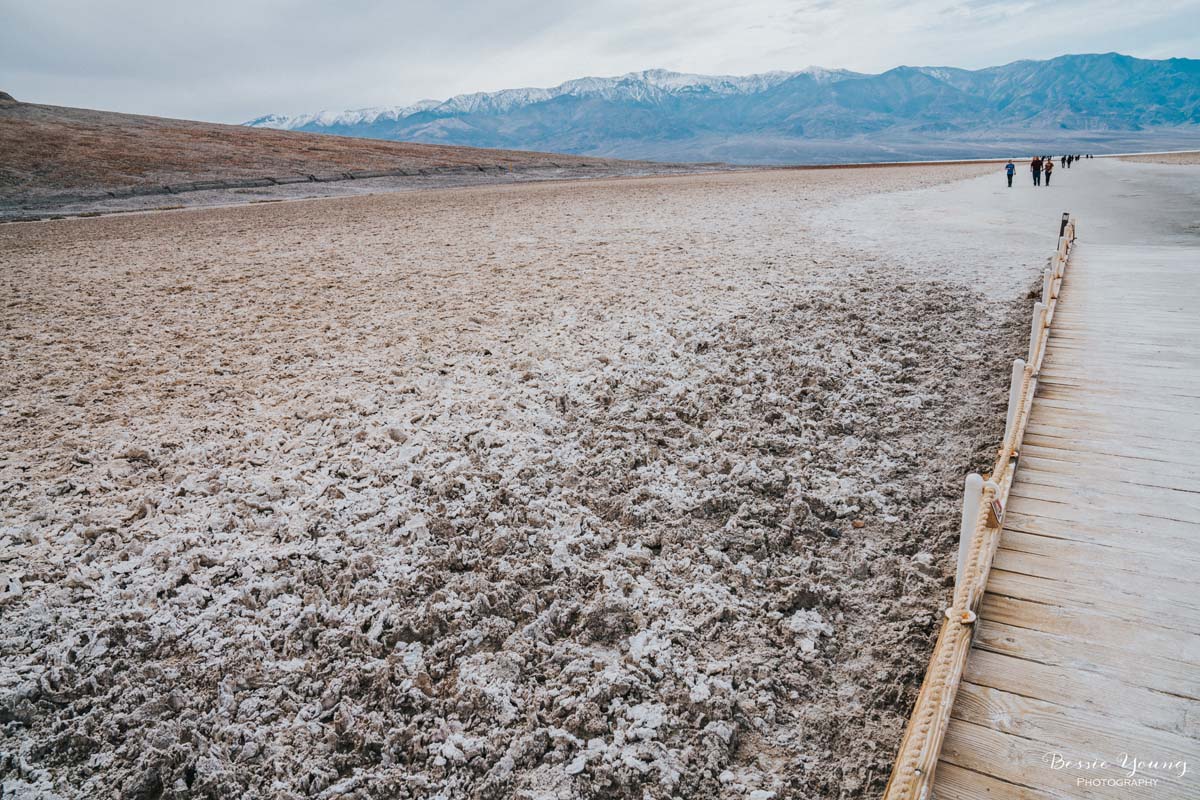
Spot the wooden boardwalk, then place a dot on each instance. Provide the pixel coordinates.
(1086, 656)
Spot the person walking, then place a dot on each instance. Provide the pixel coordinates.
(1047, 168)
(1063, 163)
(1010, 169)
(1035, 166)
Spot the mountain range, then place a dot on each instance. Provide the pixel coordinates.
(1098, 102)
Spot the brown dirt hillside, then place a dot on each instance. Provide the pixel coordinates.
(52, 153)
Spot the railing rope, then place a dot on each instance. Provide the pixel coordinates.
(984, 500)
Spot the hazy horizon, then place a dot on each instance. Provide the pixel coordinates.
(230, 62)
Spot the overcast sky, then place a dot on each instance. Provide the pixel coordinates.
(232, 60)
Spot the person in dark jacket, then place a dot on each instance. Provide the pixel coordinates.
(1035, 166)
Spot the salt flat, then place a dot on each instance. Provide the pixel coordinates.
(597, 489)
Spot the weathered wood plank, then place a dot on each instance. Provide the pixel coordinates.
(1182, 567)
(1160, 545)
(1079, 572)
(1133, 344)
(956, 783)
(1097, 411)
(1076, 734)
(1017, 760)
(1110, 656)
(1175, 518)
(1090, 443)
(1143, 437)
(1102, 519)
(1111, 417)
(1132, 395)
(1071, 621)
(1086, 691)
(1128, 485)
(1032, 464)
(1141, 464)
(1133, 381)
(1070, 397)
(1162, 610)
(1154, 424)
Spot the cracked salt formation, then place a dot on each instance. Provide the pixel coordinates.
(618, 489)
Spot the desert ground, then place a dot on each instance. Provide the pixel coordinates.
(1188, 157)
(59, 161)
(611, 489)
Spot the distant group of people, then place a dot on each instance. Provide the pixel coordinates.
(1042, 167)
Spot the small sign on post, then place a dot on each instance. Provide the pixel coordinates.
(995, 513)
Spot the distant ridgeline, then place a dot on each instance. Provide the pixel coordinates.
(1097, 103)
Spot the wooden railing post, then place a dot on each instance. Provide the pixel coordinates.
(1014, 401)
(1035, 332)
(972, 496)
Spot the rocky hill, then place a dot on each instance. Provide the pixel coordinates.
(54, 156)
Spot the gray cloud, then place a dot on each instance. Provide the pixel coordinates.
(230, 60)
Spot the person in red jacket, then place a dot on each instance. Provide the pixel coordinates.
(1047, 168)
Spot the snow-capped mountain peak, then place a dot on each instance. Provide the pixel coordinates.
(925, 111)
(644, 85)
